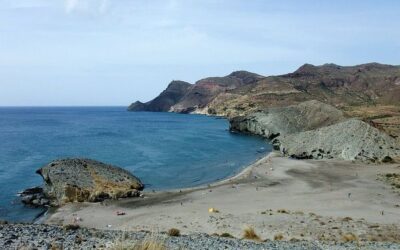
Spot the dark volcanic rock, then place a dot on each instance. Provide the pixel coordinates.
(183, 97)
(169, 97)
(137, 106)
(205, 90)
(34, 197)
(79, 180)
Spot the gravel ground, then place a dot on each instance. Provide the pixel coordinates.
(39, 236)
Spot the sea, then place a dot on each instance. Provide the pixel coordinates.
(165, 150)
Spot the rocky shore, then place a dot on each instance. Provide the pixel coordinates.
(35, 236)
(315, 130)
(79, 180)
(306, 112)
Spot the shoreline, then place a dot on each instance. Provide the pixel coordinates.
(45, 215)
(239, 176)
(274, 195)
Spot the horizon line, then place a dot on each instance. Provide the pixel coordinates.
(61, 106)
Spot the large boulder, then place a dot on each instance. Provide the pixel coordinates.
(273, 122)
(79, 180)
(349, 140)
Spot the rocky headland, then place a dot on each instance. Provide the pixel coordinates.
(346, 87)
(183, 97)
(80, 180)
(308, 113)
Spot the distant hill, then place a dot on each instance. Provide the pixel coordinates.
(185, 98)
(162, 103)
(368, 91)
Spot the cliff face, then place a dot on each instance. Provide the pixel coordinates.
(349, 140)
(343, 87)
(162, 103)
(183, 97)
(242, 92)
(305, 111)
(273, 122)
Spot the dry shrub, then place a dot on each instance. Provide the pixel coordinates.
(283, 211)
(349, 237)
(149, 243)
(250, 234)
(71, 227)
(278, 236)
(213, 210)
(174, 232)
(346, 219)
(227, 235)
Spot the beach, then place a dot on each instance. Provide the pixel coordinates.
(280, 198)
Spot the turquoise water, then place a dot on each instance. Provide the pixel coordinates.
(165, 150)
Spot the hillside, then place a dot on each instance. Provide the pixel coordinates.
(183, 97)
(370, 92)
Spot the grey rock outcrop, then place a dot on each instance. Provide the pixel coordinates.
(288, 120)
(349, 140)
(79, 180)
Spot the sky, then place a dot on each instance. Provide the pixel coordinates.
(114, 52)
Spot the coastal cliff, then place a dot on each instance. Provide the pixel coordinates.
(349, 140)
(169, 97)
(302, 106)
(273, 122)
(242, 92)
(183, 97)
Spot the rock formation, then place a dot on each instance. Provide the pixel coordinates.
(242, 93)
(298, 107)
(169, 97)
(183, 97)
(79, 180)
(349, 140)
(273, 122)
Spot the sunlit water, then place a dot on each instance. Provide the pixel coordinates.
(164, 150)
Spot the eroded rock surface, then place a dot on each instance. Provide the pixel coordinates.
(349, 140)
(79, 180)
(288, 120)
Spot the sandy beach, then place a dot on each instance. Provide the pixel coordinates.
(278, 197)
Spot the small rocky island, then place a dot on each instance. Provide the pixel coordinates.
(80, 180)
